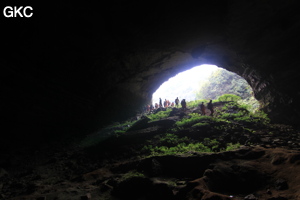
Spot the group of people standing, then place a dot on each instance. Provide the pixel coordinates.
(209, 107)
(167, 104)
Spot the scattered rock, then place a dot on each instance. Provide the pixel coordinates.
(132, 188)
(277, 160)
(295, 158)
(281, 184)
(250, 197)
(174, 112)
(41, 198)
(105, 187)
(159, 109)
(156, 167)
(181, 183)
(197, 193)
(86, 197)
(214, 196)
(112, 182)
(160, 191)
(139, 124)
(251, 154)
(165, 123)
(277, 198)
(232, 178)
(208, 173)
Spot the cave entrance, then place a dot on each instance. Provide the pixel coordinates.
(205, 82)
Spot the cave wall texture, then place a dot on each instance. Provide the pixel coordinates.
(72, 68)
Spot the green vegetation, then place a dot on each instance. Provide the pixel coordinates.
(193, 104)
(113, 130)
(207, 146)
(231, 86)
(224, 82)
(250, 104)
(230, 118)
(230, 127)
(178, 149)
(212, 144)
(125, 124)
(132, 174)
(229, 97)
(262, 116)
(239, 113)
(160, 115)
(171, 140)
(192, 119)
(201, 124)
(231, 146)
(197, 120)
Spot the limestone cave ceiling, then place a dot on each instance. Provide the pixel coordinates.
(77, 66)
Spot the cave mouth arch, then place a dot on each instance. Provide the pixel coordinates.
(205, 81)
(186, 81)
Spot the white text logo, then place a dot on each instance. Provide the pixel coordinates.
(15, 11)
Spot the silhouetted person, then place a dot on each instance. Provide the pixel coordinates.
(210, 107)
(183, 104)
(177, 102)
(148, 108)
(151, 107)
(202, 108)
(160, 102)
(165, 103)
(172, 104)
(156, 105)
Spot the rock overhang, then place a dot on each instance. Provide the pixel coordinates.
(89, 68)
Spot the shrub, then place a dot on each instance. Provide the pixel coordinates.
(178, 149)
(172, 140)
(212, 144)
(232, 116)
(160, 115)
(132, 174)
(262, 116)
(193, 104)
(251, 104)
(231, 146)
(200, 124)
(106, 133)
(229, 97)
(245, 119)
(194, 118)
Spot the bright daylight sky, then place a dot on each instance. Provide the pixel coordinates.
(183, 85)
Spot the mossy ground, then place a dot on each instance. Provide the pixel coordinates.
(231, 126)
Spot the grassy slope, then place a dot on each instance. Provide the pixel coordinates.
(231, 126)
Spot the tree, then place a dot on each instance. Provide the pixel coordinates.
(229, 97)
(224, 82)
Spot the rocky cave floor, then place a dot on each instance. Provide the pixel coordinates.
(266, 168)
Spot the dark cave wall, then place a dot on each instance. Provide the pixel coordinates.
(73, 68)
(257, 40)
(265, 35)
